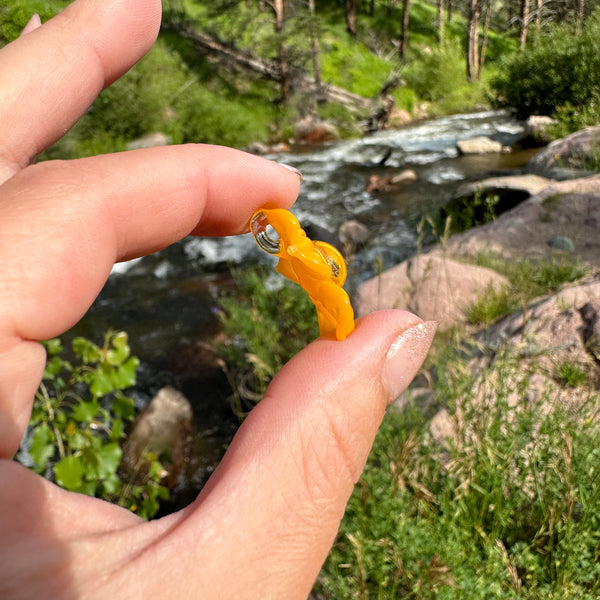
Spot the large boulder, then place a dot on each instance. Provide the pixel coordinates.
(563, 158)
(431, 285)
(523, 185)
(565, 209)
(507, 191)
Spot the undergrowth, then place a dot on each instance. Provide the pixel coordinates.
(528, 279)
(507, 506)
(80, 413)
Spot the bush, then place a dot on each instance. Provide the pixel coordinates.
(438, 75)
(78, 420)
(557, 76)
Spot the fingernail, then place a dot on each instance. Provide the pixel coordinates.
(405, 357)
(33, 24)
(292, 169)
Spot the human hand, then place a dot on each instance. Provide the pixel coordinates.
(265, 521)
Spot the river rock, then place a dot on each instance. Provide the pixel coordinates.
(478, 145)
(399, 118)
(149, 141)
(388, 183)
(563, 158)
(352, 235)
(523, 185)
(432, 285)
(315, 131)
(164, 429)
(260, 149)
(537, 129)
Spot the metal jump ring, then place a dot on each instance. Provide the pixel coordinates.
(258, 226)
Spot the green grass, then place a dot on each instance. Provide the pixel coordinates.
(529, 279)
(508, 508)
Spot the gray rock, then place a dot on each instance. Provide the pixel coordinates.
(561, 242)
(567, 153)
(352, 235)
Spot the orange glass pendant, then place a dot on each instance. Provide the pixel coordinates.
(318, 267)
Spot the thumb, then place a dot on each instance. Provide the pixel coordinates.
(274, 504)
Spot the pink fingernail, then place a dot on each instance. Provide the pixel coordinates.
(32, 25)
(405, 357)
(292, 169)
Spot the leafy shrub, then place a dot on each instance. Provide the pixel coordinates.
(557, 76)
(438, 75)
(435, 75)
(78, 420)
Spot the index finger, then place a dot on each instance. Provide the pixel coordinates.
(51, 75)
(64, 224)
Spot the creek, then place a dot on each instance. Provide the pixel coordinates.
(166, 301)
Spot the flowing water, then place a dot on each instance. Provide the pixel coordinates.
(166, 303)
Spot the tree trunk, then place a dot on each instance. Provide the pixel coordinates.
(350, 7)
(473, 40)
(440, 20)
(524, 22)
(404, 34)
(486, 29)
(538, 19)
(580, 15)
(279, 10)
(314, 38)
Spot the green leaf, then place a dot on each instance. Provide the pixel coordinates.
(77, 439)
(54, 366)
(42, 446)
(87, 487)
(53, 346)
(109, 457)
(125, 375)
(69, 472)
(111, 485)
(87, 351)
(85, 411)
(117, 430)
(120, 349)
(101, 381)
(124, 407)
